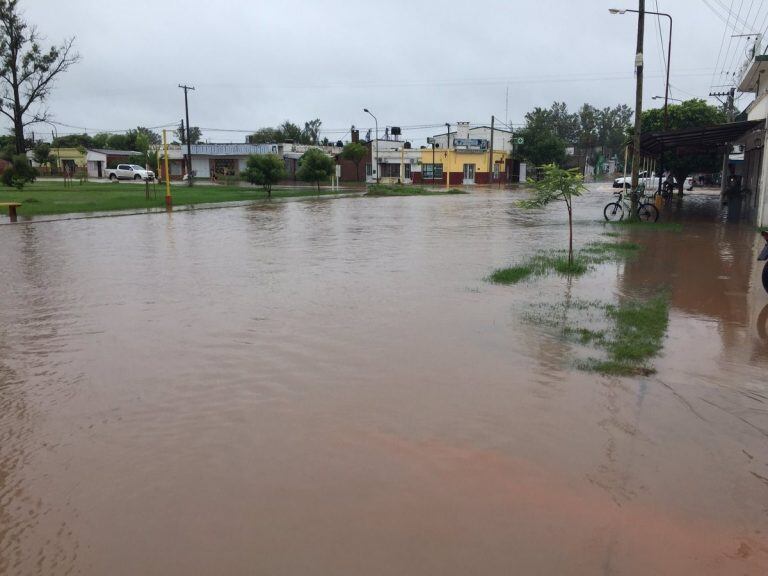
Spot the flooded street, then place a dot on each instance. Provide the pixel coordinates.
(330, 386)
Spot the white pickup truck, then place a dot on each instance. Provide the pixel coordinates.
(651, 182)
(129, 172)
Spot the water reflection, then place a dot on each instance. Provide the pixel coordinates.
(330, 386)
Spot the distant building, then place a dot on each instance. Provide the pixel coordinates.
(468, 160)
(396, 162)
(99, 160)
(751, 157)
(93, 160)
(502, 139)
(212, 161)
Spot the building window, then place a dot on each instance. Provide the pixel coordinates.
(368, 170)
(496, 166)
(390, 170)
(432, 171)
(407, 171)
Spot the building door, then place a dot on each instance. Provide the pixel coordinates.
(469, 174)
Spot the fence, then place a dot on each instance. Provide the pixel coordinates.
(57, 172)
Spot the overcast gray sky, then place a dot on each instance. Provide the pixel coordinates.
(256, 63)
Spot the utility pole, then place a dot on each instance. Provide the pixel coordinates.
(490, 155)
(447, 152)
(189, 144)
(730, 113)
(638, 104)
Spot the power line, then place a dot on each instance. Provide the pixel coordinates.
(719, 52)
(726, 59)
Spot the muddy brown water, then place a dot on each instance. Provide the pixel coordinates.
(330, 387)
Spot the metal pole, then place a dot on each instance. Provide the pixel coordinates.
(376, 158)
(167, 173)
(638, 103)
(447, 159)
(490, 155)
(189, 144)
(433, 161)
(669, 61)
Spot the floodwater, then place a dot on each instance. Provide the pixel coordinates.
(330, 387)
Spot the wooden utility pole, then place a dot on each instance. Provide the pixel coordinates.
(189, 144)
(490, 155)
(638, 105)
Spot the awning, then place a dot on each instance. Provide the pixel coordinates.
(696, 139)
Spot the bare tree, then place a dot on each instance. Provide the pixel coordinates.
(27, 71)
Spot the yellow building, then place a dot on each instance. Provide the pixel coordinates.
(66, 158)
(466, 165)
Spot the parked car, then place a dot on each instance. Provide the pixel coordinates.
(129, 172)
(651, 182)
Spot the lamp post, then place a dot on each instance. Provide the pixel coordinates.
(376, 158)
(55, 136)
(662, 98)
(669, 55)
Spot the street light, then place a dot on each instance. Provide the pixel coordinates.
(669, 53)
(376, 158)
(662, 97)
(55, 136)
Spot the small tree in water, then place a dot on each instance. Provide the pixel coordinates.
(558, 184)
(315, 166)
(264, 170)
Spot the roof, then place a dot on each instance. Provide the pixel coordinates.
(115, 152)
(719, 135)
(231, 149)
(495, 129)
(751, 78)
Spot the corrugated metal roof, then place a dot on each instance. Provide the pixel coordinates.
(708, 137)
(115, 152)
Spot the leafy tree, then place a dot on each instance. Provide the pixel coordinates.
(153, 138)
(101, 140)
(540, 146)
(587, 133)
(354, 152)
(291, 132)
(27, 70)
(195, 134)
(73, 141)
(315, 166)
(19, 172)
(119, 142)
(266, 136)
(558, 184)
(43, 154)
(612, 126)
(694, 113)
(264, 170)
(311, 131)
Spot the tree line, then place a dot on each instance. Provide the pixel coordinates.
(290, 132)
(590, 130)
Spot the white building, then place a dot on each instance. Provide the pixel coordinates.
(502, 139)
(396, 161)
(754, 171)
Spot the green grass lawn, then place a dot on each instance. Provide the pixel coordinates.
(408, 190)
(52, 198)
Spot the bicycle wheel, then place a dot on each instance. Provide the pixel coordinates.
(613, 212)
(647, 213)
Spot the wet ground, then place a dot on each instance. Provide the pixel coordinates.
(330, 387)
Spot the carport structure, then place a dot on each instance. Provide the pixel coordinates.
(721, 138)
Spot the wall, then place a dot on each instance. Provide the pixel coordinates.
(201, 166)
(500, 138)
(454, 160)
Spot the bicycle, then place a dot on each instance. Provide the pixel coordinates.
(646, 212)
